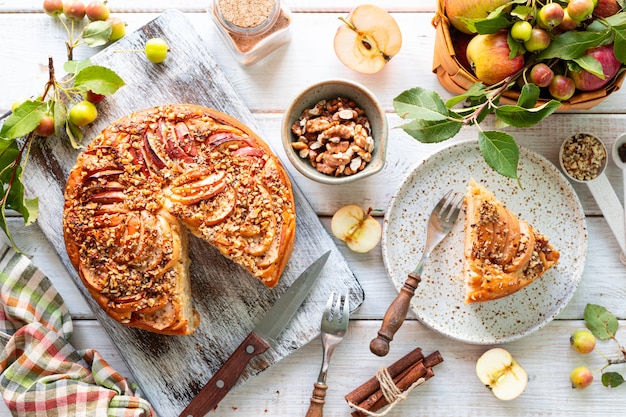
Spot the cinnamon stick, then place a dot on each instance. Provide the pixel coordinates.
(372, 385)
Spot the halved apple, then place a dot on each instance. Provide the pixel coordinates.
(369, 38)
(354, 226)
(501, 373)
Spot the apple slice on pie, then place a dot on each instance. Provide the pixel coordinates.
(502, 252)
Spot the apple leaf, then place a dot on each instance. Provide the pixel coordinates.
(591, 64)
(100, 80)
(432, 131)
(500, 152)
(476, 90)
(491, 25)
(612, 379)
(418, 103)
(571, 45)
(23, 120)
(97, 33)
(526, 117)
(529, 95)
(619, 44)
(72, 67)
(60, 116)
(601, 322)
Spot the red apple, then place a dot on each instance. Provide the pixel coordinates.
(469, 9)
(586, 81)
(489, 57)
(606, 8)
(562, 88)
(541, 74)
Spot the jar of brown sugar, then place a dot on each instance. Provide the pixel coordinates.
(252, 29)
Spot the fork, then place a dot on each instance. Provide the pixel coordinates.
(440, 223)
(334, 326)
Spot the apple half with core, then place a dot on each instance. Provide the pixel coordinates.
(368, 39)
(356, 227)
(501, 373)
(489, 56)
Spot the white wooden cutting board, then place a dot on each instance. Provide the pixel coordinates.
(171, 370)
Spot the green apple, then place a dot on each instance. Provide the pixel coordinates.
(489, 56)
(501, 373)
(457, 10)
(368, 39)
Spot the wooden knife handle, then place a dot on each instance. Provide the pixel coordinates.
(226, 377)
(317, 400)
(394, 317)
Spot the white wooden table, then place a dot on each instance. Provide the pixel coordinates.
(29, 36)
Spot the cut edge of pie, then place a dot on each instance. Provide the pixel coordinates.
(503, 253)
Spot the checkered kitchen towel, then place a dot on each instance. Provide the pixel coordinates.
(42, 373)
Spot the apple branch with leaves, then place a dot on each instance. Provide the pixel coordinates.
(433, 120)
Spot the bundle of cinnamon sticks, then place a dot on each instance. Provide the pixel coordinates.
(412, 368)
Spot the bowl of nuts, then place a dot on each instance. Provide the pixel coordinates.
(335, 132)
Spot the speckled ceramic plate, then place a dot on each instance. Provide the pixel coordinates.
(547, 201)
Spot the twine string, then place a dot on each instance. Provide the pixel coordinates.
(390, 391)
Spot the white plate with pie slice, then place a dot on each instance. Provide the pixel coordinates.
(545, 199)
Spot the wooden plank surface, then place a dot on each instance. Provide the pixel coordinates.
(171, 370)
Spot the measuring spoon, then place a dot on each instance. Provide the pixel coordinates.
(600, 188)
(620, 162)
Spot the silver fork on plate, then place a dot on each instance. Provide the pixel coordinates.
(440, 223)
(334, 325)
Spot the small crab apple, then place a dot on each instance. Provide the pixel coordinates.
(356, 227)
(46, 126)
(581, 377)
(53, 7)
(94, 97)
(83, 113)
(580, 10)
(562, 87)
(539, 40)
(550, 16)
(156, 50)
(583, 341)
(118, 28)
(541, 74)
(521, 30)
(74, 9)
(97, 10)
(501, 373)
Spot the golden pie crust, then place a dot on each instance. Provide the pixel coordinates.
(503, 253)
(150, 177)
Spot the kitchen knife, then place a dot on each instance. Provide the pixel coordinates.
(257, 342)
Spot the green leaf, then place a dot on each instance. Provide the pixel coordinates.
(432, 131)
(59, 111)
(529, 95)
(571, 45)
(97, 33)
(500, 152)
(475, 90)
(619, 44)
(100, 80)
(522, 117)
(72, 67)
(591, 64)
(74, 134)
(612, 379)
(492, 25)
(419, 103)
(23, 120)
(601, 322)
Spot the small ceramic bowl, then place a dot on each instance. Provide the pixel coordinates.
(329, 90)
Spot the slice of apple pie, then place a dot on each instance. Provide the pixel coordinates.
(502, 253)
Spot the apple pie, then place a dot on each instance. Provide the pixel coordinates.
(150, 177)
(502, 253)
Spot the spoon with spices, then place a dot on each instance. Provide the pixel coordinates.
(583, 158)
(619, 157)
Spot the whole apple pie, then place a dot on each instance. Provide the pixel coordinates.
(503, 254)
(150, 177)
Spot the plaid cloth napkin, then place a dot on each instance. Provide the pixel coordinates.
(42, 374)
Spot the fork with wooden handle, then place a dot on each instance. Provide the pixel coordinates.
(334, 326)
(440, 223)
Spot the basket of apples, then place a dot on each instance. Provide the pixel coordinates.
(574, 51)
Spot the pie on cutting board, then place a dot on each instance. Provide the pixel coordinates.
(152, 176)
(503, 253)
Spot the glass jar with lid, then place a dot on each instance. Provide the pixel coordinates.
(252, 29)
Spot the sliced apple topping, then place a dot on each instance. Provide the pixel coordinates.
(369, 38)
(356, 227)
(501, 373)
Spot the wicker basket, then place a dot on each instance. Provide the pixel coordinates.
(455, 78)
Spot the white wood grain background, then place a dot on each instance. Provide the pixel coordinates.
(28, 37)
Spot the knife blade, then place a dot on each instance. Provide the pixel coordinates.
(257, 342)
